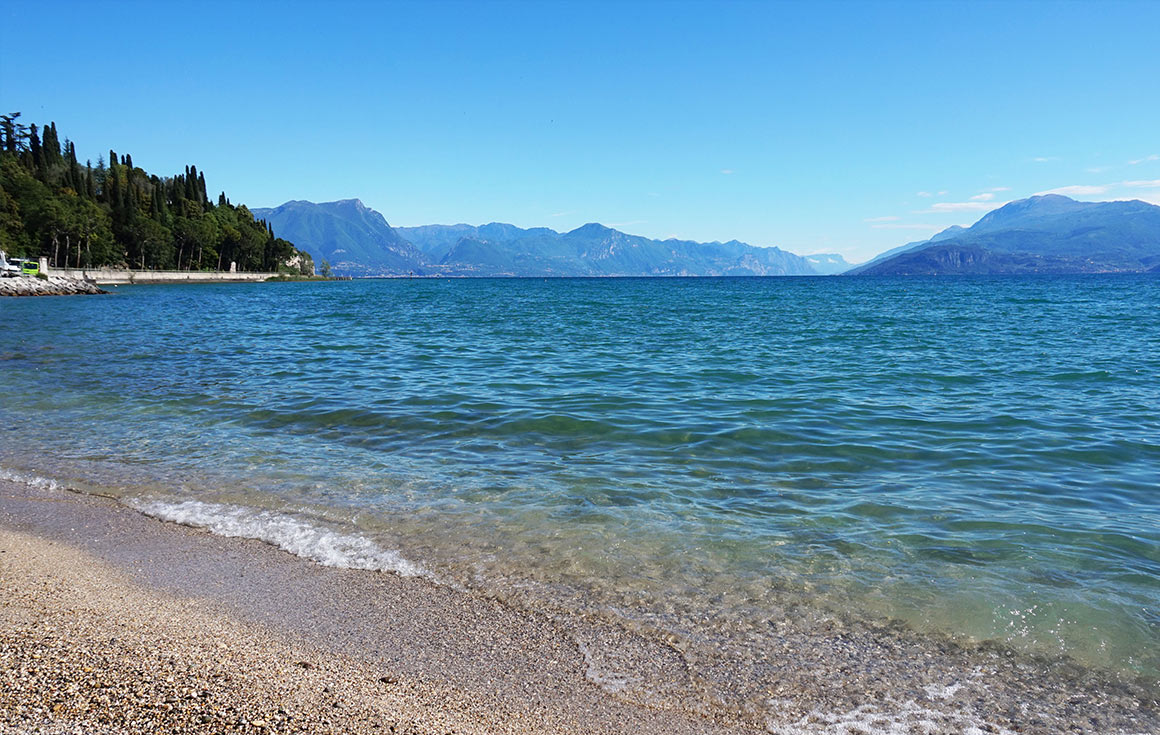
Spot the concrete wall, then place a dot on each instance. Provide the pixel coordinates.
(104, 276)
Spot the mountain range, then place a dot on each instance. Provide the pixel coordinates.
(358, 241)
(1041, 234)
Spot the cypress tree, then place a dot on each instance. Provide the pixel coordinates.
(177, 192)
(113, 189)
(100, 177)
(51, 146)
(76, 181)
(34, 147)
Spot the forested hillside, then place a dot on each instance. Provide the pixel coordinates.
(116, 214)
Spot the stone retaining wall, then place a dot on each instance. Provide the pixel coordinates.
(113, 276)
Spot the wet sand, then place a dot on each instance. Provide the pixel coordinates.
(111, 621)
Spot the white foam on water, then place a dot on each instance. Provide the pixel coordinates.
(301, 538)
(936, 691)
(43, 483)
(909, 718)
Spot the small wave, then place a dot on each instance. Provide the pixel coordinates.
(43, 483)
(322, 545)
(869, 719)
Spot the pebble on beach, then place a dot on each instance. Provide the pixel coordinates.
(91, 654)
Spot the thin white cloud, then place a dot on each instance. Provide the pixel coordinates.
(984, 197)
(1145, 159)
(1045, 159)
(728, 171)
(944, 207)
(563, 214)
(1152, 184)
(1077, 190)
(943, 193)
(880, 219)
(999, 188)
(925, 194)
(902, 226)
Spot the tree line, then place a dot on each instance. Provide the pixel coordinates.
(115, 214)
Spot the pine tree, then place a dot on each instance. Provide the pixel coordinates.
(15, 134)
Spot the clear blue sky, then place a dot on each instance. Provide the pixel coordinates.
(818, 127)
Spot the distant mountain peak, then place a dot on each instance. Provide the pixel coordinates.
(354, 238)
(1041, 205)
(592, 229)
(1047, 233)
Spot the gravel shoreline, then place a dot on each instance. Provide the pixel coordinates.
(113, 622)
(81, 648)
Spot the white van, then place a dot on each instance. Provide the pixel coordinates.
(9, 268)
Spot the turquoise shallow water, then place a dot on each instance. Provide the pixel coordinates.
(976, 457)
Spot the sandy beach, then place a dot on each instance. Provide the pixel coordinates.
(114, 622)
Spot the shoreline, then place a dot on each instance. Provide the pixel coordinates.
(484, 664)
(163, 610)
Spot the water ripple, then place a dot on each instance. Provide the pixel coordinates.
(932, 449)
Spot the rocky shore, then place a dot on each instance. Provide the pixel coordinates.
(51, 286)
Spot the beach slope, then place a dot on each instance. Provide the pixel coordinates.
(111, 621)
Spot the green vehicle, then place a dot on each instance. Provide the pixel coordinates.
(30, 268)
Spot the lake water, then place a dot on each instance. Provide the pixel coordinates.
(978, 458)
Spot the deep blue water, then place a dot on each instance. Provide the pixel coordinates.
(976, 456)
